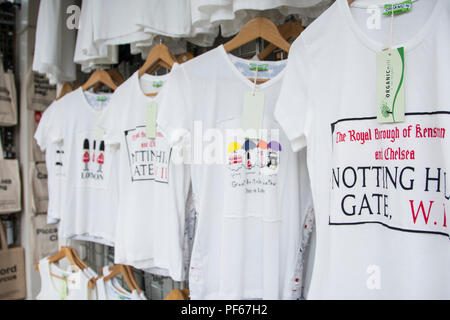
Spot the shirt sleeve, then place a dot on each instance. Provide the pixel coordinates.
(43, 134)
(54, 157)
(175, 111)
(293, 110)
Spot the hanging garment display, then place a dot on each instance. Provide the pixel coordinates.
(77, 282)
(59, 284)
(44, 237)
(150, 221)
(249, 226)
(231, 15)
(39, 190)
(176, 46)
(112, 290)
(142, 23)
(55, 41)
(8, 98)
(146, 19)
(378, 182)
(40, 93)
(86, 52)
(12, 266)
(88, 190)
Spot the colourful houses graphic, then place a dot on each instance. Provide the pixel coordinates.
(262, 154)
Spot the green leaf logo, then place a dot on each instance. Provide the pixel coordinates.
(385, 110)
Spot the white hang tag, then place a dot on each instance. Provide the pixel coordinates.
(253, 113)
(150, 124)
(391, 86)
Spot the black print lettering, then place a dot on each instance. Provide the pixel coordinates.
(345, 175)
(445, 187)
(428, 179)
(92, 175)
(149, 158)
(411, 181)
(365, 203)
(364, 175)
(385, 177)
(335, 179)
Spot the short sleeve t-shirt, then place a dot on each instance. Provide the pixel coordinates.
(54, 158)
(152, 189)
(379, 190)
(112, 290)
(88, 199)
(58, 284)
(250, 193)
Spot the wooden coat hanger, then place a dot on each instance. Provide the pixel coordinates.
(160, 55)
(116, 76)
(83, 266)
(133, 279)
(122, 270)
(258, 27)
(289, 31)
(66, 88)
(74, 259)
(177, 294)
(186, 56)
(99, 76)
(350, 2)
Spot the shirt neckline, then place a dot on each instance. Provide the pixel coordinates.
(243, 78)
(58, 271)
(88, 105)
(378, 46)
(150, 77)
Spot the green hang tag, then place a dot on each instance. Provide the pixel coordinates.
(150, 124)
(398, 8)
(391, 85)
(158, 84)
(102, 98)
(64, 290)
(260, 66)
(253, 113)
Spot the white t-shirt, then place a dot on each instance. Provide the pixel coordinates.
(152, 189)
(55, 42)
(54, 159)
(112, 290)
(87, 52)
(375, 238)
(231, 15)
(88, 203)
(252, 198)
(100, 33)
(75, 287)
